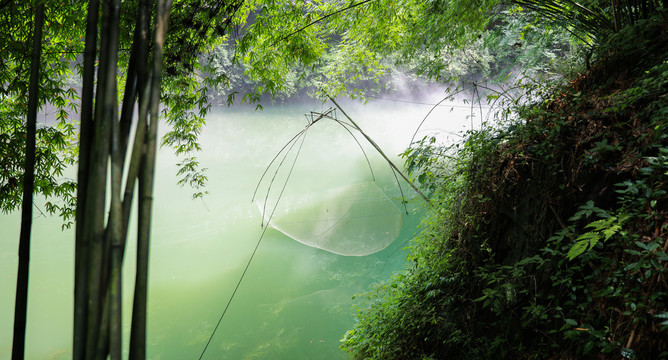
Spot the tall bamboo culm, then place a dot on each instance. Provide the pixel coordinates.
(21, 299)
(105, 144)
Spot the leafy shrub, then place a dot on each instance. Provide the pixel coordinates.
(498, 273)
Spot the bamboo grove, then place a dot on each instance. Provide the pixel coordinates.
(99, 249)
(117, 142)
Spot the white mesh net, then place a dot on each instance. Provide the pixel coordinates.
(354, 220)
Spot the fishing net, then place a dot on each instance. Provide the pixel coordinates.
(354, 220)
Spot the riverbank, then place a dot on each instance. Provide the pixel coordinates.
(548, 240)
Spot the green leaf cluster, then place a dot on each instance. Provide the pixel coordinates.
(56, 139)
(350, 48)
(195, 27)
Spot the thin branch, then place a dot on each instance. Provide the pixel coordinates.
(401, 191)
(285, 146)
(257, 246)
(344, 124)
(323, 18)
(271, 182)
(380, 151)
(431, 110)
(266, 170)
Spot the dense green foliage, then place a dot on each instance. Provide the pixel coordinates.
(349, 48)
(550, 236)
(54, 139)
(282, 48)
(352, 49)
(195, 27)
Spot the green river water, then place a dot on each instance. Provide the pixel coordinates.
(296, 300)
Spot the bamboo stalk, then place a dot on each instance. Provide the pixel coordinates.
(110, 336)
(380, 151)
(112, 330)
(146, 177)
(102, 348)
(21, 299)
(127, 109)
(615, 19)
(116, 232)
(85, 136)
(144, 85)
(105, 109)
(115, 224)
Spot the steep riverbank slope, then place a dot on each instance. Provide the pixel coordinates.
(549, 238)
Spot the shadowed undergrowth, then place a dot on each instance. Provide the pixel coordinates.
(548, 239)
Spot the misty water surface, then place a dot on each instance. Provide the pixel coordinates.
(296, 300)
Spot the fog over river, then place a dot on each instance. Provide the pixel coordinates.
(295, 302)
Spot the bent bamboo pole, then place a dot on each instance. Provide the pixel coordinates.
(380, 151)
